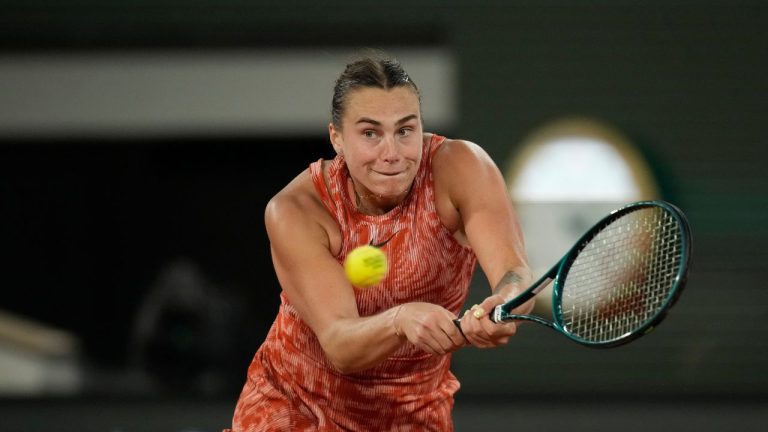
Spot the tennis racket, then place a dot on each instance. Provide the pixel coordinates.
(618, 281)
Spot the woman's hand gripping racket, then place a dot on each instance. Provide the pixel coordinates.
(618, 281)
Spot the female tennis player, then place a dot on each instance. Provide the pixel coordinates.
(343, 358)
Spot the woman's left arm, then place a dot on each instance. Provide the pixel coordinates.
(469, 178)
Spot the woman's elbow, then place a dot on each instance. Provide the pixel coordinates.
(342, 364)
(337, 356)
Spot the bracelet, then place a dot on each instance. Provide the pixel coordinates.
(397, 331)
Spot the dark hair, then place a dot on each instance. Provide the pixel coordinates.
(370, 71)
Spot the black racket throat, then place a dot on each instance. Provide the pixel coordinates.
(503, 313)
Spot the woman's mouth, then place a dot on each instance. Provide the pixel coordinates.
(388, 173)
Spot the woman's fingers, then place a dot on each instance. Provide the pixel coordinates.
(482, 332)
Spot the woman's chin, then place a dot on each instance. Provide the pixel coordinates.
(394, 193)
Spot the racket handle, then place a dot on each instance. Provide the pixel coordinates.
(497, 314)
(457, 323)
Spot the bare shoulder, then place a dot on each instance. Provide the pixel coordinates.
(458, 163)
(456, 153)
(464, 175)
(297, 212)
(453, 165)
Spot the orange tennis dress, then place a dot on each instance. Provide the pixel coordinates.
(291, 386)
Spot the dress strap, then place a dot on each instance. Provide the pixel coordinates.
(316, 172)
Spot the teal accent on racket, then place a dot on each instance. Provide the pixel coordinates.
(620, 279)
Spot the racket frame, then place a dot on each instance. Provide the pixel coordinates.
(559, 272)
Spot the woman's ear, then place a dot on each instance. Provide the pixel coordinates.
(336, 139)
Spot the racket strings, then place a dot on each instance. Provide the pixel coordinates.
(623, 276)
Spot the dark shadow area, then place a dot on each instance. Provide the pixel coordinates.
(572, 413)
(152, 253)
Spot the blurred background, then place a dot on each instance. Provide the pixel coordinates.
(140, 142)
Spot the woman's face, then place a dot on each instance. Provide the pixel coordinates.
(381, 139)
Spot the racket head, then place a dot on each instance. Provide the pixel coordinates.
(621, 278)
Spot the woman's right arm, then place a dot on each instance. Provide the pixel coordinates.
(315, 283)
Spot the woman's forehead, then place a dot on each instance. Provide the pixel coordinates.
(380, 104)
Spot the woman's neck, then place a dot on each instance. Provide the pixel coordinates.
(371, 203)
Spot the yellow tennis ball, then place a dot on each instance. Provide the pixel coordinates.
(365, 266)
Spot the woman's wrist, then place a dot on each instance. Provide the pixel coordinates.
(395, 324)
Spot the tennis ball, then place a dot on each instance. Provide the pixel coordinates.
(365, 266)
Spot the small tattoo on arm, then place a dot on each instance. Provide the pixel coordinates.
(508, 279)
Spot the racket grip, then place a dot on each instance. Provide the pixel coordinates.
(497, 314)
(457, 323)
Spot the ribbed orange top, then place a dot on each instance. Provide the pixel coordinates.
(292, 386)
